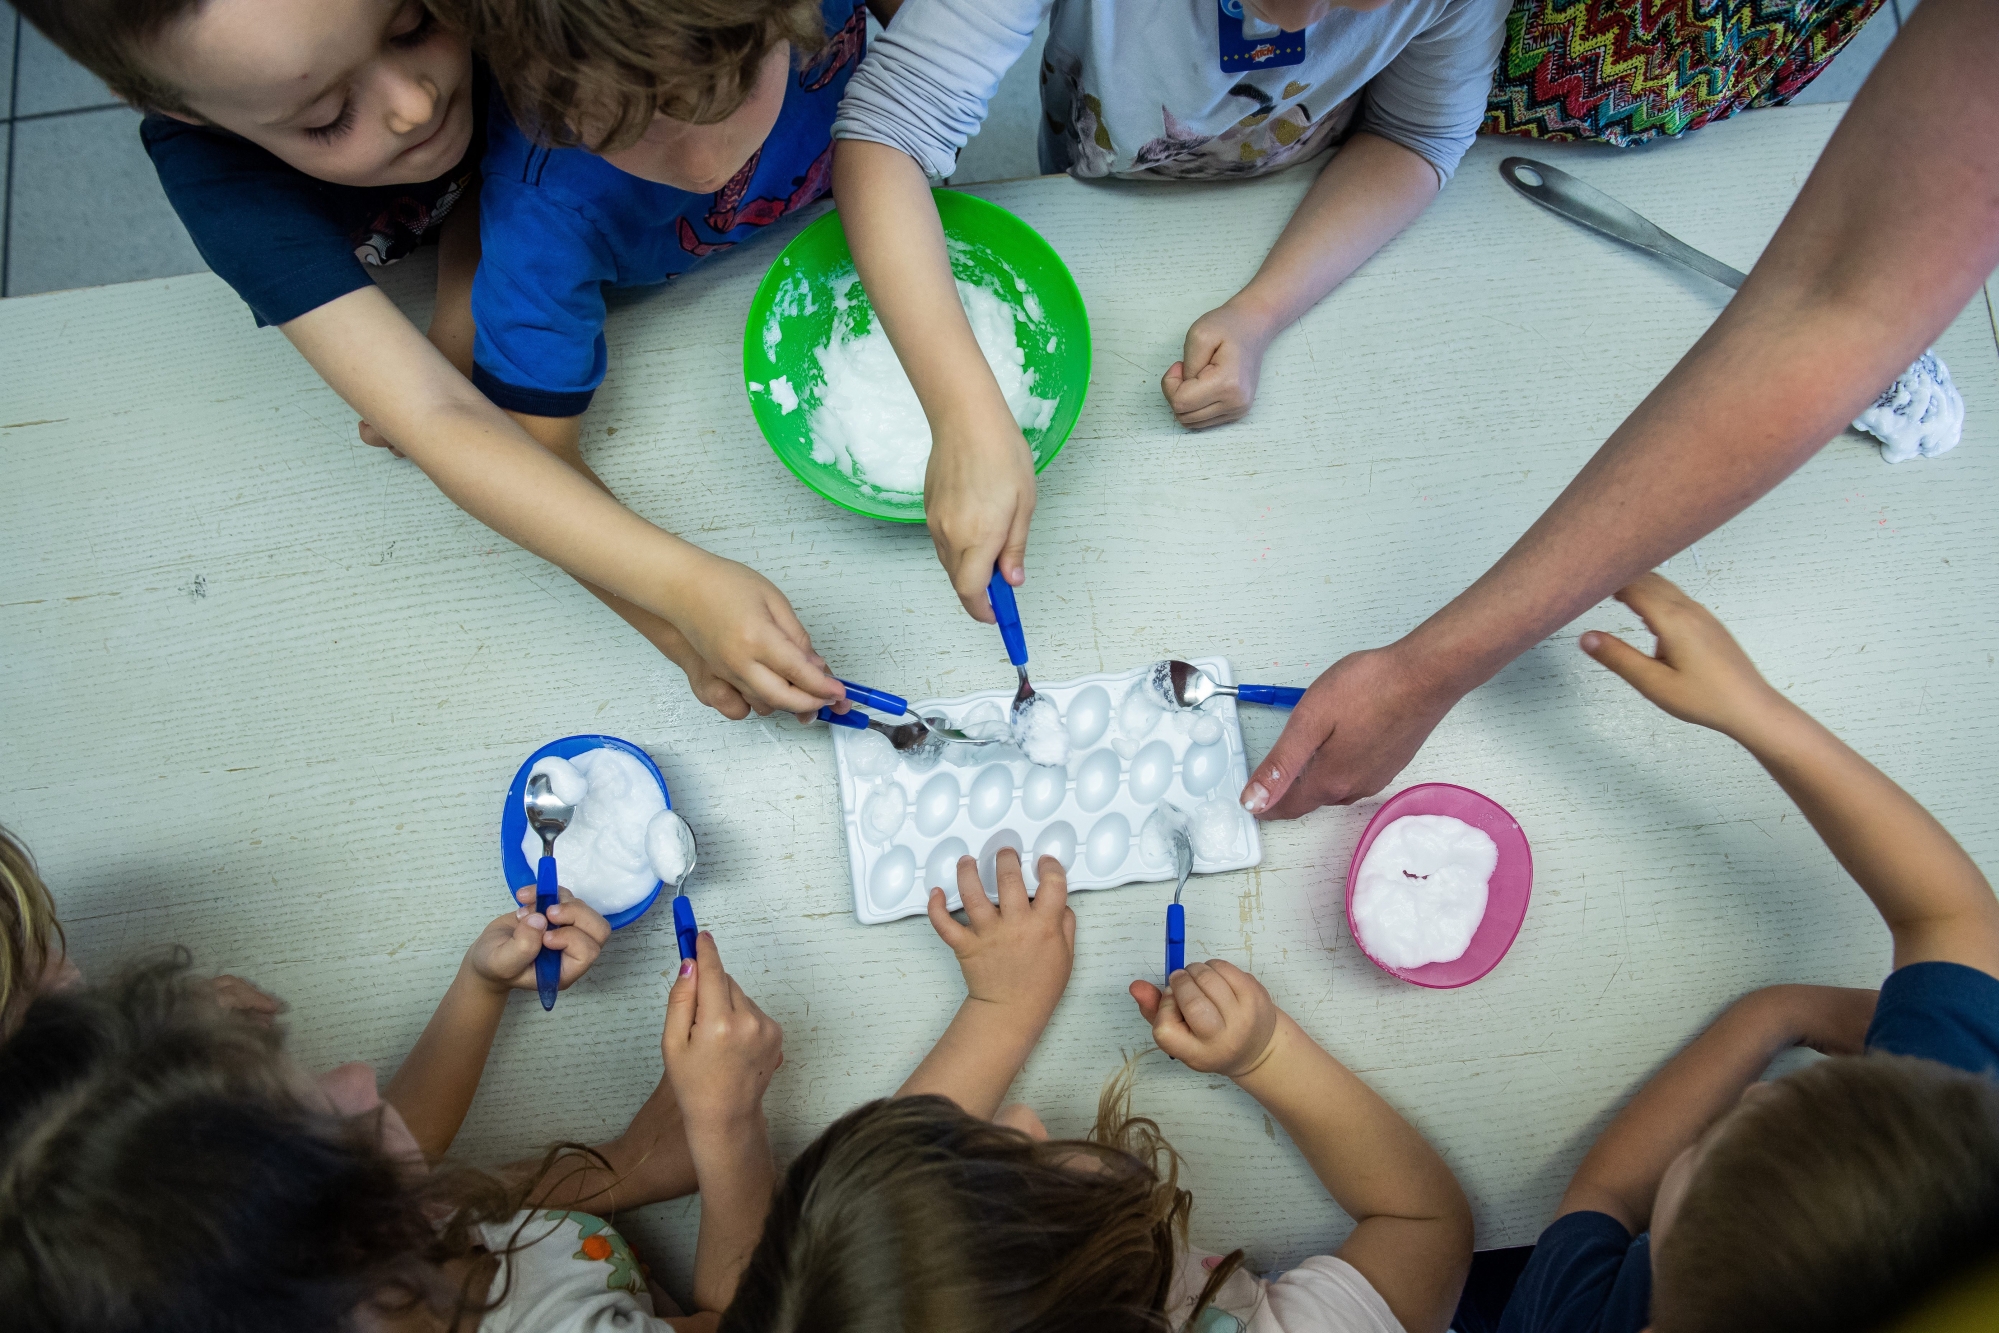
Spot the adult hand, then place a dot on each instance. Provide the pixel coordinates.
(720, 1048)
(1699, 673)
(1358, 725)
(978, 499)
(1213, 1017)
(749, 639)
(503, 955)
(1222, 360)
(1017, 954)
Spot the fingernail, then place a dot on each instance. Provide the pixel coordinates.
(1255, 798)
(686, 966)
(1589, 641)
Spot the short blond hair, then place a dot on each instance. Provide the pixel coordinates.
(28, 925)
(613, 64)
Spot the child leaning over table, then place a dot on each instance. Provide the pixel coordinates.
(164, 1165)
(926, 1213)
(306, 144)
(1172, 90)
(1847, 1194)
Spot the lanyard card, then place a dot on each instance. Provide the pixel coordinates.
(1239, 53)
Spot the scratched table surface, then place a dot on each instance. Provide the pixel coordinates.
(225, 619)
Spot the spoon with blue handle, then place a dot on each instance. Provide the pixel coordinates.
(547, 816)
(1176, 915)
(1000, 593)
(684, 929)
(906, 737)
(1184, 685)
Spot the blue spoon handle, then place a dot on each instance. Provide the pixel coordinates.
(1176, 938)
(1283, 696)
(851, 718)
(547, 963)
(882, 699)
(1000, 593)
(683, 925)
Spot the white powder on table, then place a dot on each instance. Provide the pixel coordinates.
(1920, 413)
(1421, 891)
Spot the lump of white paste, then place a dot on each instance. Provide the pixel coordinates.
(669, 847)
(1920, 413)
(1039, 732)
(1422, 889)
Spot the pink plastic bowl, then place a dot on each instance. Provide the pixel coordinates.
(1506, 894)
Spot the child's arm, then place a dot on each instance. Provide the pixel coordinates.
(648, 1163)
(1412, 1233)
(434, 1086)
(978, 493)
(1370, 191)
(732, 617)
(721, 1051)
(1016, 959)
(1937, 904)
(1620, 1176)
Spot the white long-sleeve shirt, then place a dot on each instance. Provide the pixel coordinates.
(1136, 88)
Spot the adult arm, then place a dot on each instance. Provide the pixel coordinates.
(1621, 1173)
(1893, 232)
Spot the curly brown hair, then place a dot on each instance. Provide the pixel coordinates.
(595, 72)
(30, 935)
(912, 1215)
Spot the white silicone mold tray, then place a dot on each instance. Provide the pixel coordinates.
(908, 823)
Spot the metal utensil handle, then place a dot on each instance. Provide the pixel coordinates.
(1000, 593)
(882, 699)
(1176, 939)
(547, 963)
(1280, 696)
(1559, 192)
(684, 930)
(853, 717)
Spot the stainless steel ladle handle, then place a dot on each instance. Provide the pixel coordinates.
(1559, 192)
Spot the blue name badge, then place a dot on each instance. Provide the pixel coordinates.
(1275, 47)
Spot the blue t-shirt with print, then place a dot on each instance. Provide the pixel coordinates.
(1589, 1275)
(558, 225)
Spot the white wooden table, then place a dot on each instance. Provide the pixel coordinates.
(222, 616)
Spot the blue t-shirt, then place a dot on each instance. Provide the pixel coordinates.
(556, 225)
(1589, 1275)
(289, 242)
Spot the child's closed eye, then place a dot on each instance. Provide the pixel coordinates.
(413, 26)
(334, 128)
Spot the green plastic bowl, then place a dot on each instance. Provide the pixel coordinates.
(991, 248)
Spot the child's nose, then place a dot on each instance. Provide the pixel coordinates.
(411, 101)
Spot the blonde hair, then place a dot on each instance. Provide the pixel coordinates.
(913, 1215)
(1842, 1198)
(28, 927)
(611, 65)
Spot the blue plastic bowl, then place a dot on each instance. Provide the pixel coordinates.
(514, 820)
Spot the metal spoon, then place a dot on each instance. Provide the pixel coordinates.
(1000, 593)
(684, 930)
(548, 817)
(1184, 685)
(1176, 916)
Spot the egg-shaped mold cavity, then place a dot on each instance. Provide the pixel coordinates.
(992, 795)
(1203, 768)
(868, 753)
(1138, 712)
(1088, 714)
(1096, 781)
(883, 813)
(1059, 841)
(1109, 841)
(1151, 772)
(1042, 793)
(937, 805)
(988, 872)
(893, 877)
(941, 870)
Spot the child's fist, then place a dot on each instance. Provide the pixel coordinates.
(1215, 380)
(720, 1048)
(1698, 674)
(1019, 952)
(503, 955)
(1213, 1017)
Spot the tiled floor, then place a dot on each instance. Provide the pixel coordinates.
(81, 206)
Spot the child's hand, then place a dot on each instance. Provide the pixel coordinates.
(1215, 382)
(1020, 952)
(1699, 674)
(720, 1049)
(503, 955)
(240, 997)
(746, 633)
(1215, 1017)
(978, 498)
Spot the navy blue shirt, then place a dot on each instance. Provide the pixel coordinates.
(558, 225)
(288, 242)
(1589, 1275)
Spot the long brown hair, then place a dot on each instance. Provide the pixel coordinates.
(1840, 1198)
(109, 38)
(30, 935)
(603, 68)
(912, 1215)
(159, 1171)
